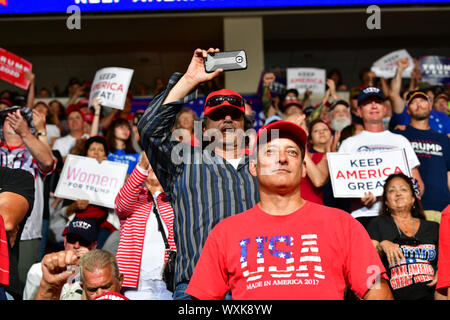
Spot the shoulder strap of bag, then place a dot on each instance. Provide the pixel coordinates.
(160, 225)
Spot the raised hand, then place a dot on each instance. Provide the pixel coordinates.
(403, 63)
(196, 73)
(18, 123)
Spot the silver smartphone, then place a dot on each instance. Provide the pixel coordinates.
(228, 61)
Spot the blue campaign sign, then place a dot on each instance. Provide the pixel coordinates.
(435, 70)
(13, 7)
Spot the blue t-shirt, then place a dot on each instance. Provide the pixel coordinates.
(120, 156)
(433, 150)
(439, 121)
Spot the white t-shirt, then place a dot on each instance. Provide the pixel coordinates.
(377, 141)
(33, 281)
(52, 131)
(66, 143)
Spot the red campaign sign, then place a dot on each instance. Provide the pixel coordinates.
(13, 68)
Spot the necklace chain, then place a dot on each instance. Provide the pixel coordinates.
(398, 229)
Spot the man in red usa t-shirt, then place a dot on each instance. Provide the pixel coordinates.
(286, 247)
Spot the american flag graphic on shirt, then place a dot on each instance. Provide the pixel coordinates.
(305, 264)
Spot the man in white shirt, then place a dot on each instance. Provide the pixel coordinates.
(374, 138)
(75, 122)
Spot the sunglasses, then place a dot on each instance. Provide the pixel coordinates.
(218, 100)
(72, 239)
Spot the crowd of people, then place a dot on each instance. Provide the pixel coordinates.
(210, 209)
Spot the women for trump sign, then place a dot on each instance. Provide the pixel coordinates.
(84, 178)
(353, 174)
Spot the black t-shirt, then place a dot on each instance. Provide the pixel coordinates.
(21, 182)
(408, 280)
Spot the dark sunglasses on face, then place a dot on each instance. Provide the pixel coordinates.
(218, 100)
(72, 239)
(222, 112)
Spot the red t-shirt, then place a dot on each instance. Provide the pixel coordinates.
(444, 252)
(309, 191)
(311, 253)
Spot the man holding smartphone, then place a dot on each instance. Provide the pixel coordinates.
(209, 183)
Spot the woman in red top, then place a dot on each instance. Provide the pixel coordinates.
(317, 174)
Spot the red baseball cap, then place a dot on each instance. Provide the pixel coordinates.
(286, 129)
(71, 108)
(7, 102)
(223, 98)
(83, 103)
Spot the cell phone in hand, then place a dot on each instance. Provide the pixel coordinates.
(227, 60)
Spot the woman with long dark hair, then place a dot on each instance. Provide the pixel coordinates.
(406, 242)
(121, 145)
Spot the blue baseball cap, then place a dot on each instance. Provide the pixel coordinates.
(85, 228)
(370, 92)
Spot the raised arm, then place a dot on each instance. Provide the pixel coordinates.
(397, 101)
(127, 198)
(55, 273)
(39, 150)
(97, 106)
(31, 90)
(269, 109)
(317, 173)
(332, 87)
(194, 76)
(155, 126)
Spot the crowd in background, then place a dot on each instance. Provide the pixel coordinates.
(95, 131)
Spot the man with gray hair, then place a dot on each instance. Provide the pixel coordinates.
(340, 115)
(98, 270)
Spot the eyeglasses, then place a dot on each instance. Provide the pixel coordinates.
(72, 239)
(218, 100)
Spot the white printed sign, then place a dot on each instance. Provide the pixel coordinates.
(111, 85)
(83, 178)
(354, 174)
(303, 79)
(386, 66)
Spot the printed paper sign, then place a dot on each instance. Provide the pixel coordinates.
(83, 178)
(303, 79)
(386, 67)
(354, 174)
(13, 68)
(435, 70)
(111, 85)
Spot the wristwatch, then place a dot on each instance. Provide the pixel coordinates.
(41, 133)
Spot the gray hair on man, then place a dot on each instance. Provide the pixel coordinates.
(98, 259)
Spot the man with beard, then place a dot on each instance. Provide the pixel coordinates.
(373, 139)
(340, 115)
(433, 150)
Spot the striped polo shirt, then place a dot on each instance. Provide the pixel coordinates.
(202, 187)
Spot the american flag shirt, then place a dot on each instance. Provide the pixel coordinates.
(312, 253)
